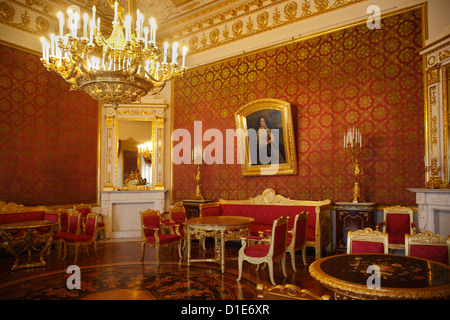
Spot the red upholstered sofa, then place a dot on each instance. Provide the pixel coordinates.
(12, 212)
(268, 206)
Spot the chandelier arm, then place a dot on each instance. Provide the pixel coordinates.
(80, 63)
(151, 78)
(70, 75)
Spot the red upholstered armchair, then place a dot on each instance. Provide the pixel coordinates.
(274, 251)
(88, 238)
(152, 237)
(296, 238)
(85, 209)
(427, 245)
(397, 222)
(367, 241)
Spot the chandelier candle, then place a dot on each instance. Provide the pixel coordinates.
(116, 70)
(353, 146)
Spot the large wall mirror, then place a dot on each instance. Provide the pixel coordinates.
(135, 153)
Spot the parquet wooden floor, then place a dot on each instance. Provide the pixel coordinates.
(172, 279)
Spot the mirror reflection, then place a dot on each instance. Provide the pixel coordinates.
(134, 153)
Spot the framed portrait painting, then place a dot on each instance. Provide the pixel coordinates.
(266, 138)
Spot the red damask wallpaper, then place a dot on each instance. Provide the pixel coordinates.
(48, 135)
(371, 79)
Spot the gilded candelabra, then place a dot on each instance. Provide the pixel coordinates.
(353, 146)
(198, 160)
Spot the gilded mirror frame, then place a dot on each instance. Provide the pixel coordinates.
(446, 122)
(154, 112)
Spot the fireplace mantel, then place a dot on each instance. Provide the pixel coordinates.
(122, 210)
(434, 210)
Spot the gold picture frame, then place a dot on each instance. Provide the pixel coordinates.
(260, 124)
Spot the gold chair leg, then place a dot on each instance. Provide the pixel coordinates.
(143, 250)
(65, 249)
(271, 272)
(283, 264)
(157, 254)
(240, 261)
(292, 253)
(95, 249)
(77, 245)
(304, 256)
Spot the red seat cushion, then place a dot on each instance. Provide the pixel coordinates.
(61, 235)
(163, 238)
(367, 247)
(77, 238)
(257, 250)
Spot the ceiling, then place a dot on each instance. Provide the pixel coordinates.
(198, 24)
(164, 11)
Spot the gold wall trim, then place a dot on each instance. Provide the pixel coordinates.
(36, 23)
(421, 6)
(249, 20)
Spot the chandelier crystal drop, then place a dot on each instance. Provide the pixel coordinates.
(121, 69)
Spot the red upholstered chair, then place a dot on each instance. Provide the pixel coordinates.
(74, 227)
(427, 245)
(88, 238)
(152, 237)
(296, 238)
(274, 251)
(367, 241)
(397, 222)
(177, 217)
(85, 209)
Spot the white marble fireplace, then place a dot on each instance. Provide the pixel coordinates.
(434, 210)
(121, 210)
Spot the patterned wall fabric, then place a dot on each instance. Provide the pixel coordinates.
(371, 79)
(48, 135)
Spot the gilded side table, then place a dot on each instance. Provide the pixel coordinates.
(38, 236)
(350, 217)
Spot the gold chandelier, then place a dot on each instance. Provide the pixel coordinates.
(121, 69)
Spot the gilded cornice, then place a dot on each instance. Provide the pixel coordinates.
(31, 16)
(244, 20)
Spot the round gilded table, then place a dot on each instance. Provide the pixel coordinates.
(40, 231)
(355, 276)
(220, 227)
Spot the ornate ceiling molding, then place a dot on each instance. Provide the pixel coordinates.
(245, 20)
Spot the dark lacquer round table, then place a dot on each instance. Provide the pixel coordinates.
(400, 277)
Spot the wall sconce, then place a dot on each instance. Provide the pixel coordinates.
(146, 150)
